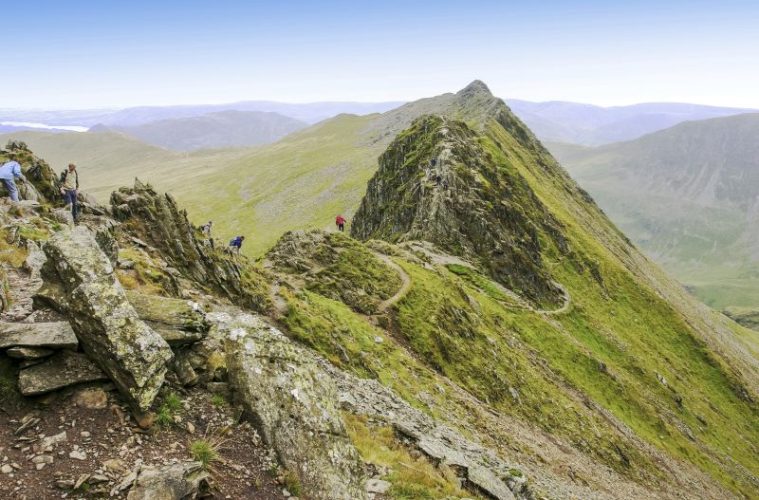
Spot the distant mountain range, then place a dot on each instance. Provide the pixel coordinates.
(589, 125)
(553, 121)
(689, 195)
(214, 130)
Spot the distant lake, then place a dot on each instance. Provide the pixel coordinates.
(43, 126)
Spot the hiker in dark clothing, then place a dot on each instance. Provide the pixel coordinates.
(236, 244)
(69, 188)
(340, 223)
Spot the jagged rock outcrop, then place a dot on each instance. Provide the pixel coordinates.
(110, 331)
(294, 402)
(158, 221)
(443, 182)
(43, 182)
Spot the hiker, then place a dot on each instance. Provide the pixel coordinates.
(69, 187)
(236, 244)
(8, 173)
(340, 223)
(205, 229)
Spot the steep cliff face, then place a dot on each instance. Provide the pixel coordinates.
(442, 182)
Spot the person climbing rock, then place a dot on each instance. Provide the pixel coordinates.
(340, 223)
(8, 174)
(236, 244)
(205, 229)
(69, 188)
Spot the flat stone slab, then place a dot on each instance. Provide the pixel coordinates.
(56, 335)
(60, 370)
(29, 352)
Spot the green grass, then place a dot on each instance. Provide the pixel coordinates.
(292, 483)
(412, 477)
(204, 451)
(170, 407)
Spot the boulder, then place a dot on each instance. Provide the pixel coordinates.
(61, 370)
(132, 354)
(295, 405)
(63, 215)
(169, 482)
(177, 321)
(56, 335)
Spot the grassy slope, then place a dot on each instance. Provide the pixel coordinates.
(687, 196)
(615, 346)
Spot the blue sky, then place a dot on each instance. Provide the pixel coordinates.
(78, 54)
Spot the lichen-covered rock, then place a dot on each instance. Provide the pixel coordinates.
(60, 370)
(177, 321)
(295, 405)
(169, 482)
(128, 350)
(56, 335)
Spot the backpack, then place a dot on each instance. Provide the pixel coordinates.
(65, 172)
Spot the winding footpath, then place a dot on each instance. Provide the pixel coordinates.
(405, 283)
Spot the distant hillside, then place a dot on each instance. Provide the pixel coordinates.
(570, 122)
(108, 160)
(688, 196)
(214, 130)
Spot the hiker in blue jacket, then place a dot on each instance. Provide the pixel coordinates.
(236, 244)
(8, 173)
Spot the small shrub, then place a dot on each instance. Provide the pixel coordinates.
(218, 400)
(204, 451)
(170, 407)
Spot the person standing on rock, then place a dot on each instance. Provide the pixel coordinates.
(236, 244)
(8, 174)
(340, 223)
(69, 188)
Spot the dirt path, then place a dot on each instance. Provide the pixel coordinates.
(405, 283)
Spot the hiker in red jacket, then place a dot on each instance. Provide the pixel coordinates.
(340, 223)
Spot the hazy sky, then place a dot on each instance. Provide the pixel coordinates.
(77, 54)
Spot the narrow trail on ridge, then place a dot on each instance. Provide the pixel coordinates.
(439, 258)
(405, 283)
